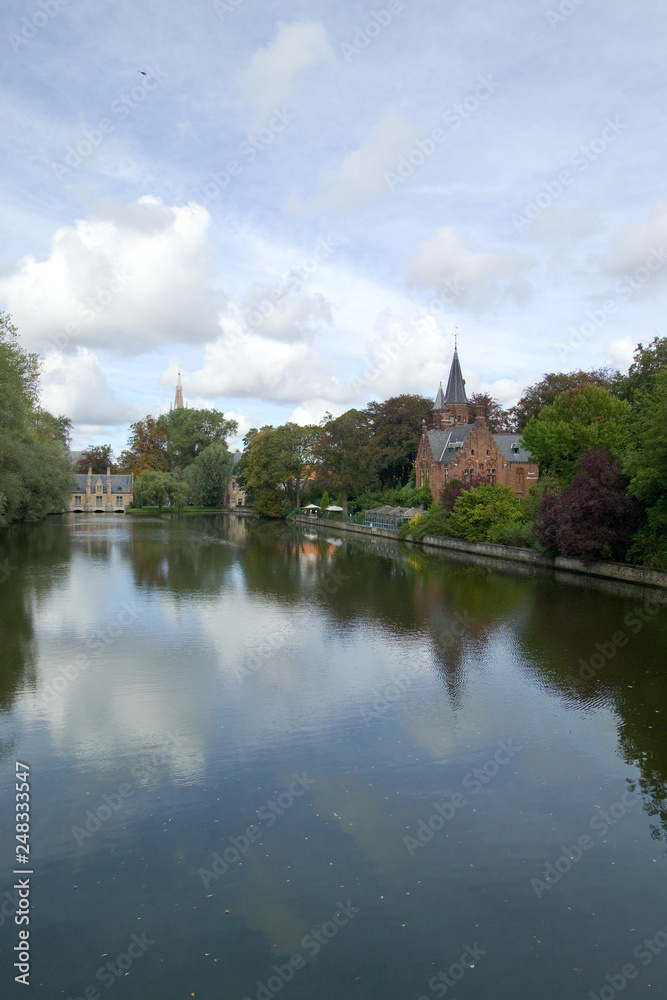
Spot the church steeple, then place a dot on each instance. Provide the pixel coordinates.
(178, 402)
(456, 392)
(452, 406)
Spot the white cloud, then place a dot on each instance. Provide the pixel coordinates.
(277, 316)
(463, 276)
(621, 351)
(638, 255)
(361, 175)
(75, 385)
(128, 278)
(272, 76)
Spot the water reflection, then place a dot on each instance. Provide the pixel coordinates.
(208, 660)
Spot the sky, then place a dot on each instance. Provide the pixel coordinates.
(299, 204)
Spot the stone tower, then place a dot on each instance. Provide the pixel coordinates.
(178, 402)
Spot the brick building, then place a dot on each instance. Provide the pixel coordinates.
(457, 448)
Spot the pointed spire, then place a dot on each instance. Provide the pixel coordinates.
(456, 392)
(178, 402)
(439, 400)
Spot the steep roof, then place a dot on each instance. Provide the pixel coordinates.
(512, 448)
(439, 400)
(456, 392)
(445, 445)
(119, 484)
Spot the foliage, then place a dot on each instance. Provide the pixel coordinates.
(99, 456)
(35, 471)
(476, 511)
(648, 362)
(280, 457)
(545, 393)
(434, 522)
(268, 503)
(518, 534)
(531, 504)
(646, 463)
(188, 432)
(208, 475)
(594, 518)
(579, 419)
(498, 421)
(153, 489)
(147, 448)
(345, 452)
(395, 428)
(453, 489)
(397, 497)
(325, 501)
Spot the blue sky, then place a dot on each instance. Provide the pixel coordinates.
(298, 203)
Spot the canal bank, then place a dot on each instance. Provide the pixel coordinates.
(610, 571)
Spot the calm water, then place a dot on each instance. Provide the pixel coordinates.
(267, 763)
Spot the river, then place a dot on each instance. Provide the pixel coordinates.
(264, 761)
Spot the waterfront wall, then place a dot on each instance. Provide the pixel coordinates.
(609, 570)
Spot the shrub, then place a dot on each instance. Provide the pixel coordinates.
(481, 508)
(517, 533)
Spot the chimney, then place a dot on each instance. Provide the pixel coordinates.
(480, 417)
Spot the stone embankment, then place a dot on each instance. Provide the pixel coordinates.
(609, 570)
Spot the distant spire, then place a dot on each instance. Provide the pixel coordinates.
(439, 400)
(456, 392)
(178, 402)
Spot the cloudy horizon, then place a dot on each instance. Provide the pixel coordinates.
(297, 204)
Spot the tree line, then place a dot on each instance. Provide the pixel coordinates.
(599, 438)
(177, 457)
(35, 470)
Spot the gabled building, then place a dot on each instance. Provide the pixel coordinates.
(102, 494)
(461, 446)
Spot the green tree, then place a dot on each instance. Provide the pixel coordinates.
(345, 453)
(481, 509)
(646, 463)
(99, 456)
(146, 449)
(153, 489)
(35, 470)
(188, 432)
(545, 392)
(579, 419)
(498, 421)
(395, 428)
(209, 474)
(648, 361)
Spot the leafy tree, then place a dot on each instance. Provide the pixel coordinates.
(498, 421)
(325, 501)
(396, 429)
(646, 463)
(153, 489)
(478, 510)
(188, 432)
(35, 470)
(280, 457)
(99, 456)
(648, 361)
(579, 419)
(209, 474)
(594, 518)
(146, 448)
(345, 453)
(55, 428)
(545, 393)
